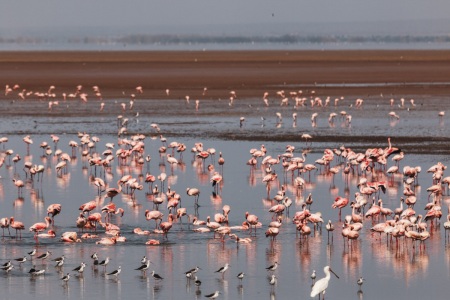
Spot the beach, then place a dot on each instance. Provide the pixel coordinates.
(249, 73)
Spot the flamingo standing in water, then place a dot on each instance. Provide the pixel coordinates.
(39, 227)
(154, 215)
(16, 225)
(4, 223)
(88, 206)
(193, 192)
(165, 226)
(19, 184)
(112, 192)
(53, 210)
(252, 220)
(216, 179)
(340, 202)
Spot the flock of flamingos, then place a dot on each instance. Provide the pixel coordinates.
(405, 227)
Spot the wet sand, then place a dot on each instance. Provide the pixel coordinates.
(375, 76)
(249, 73)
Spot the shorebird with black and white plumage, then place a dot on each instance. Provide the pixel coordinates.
(213, 295)
(9, 268)
(21, 260)
(104, 262)
(360, 282)
(313, 276)
(191, 272)
(95, 258)
(66, 278)
(115, 272)
(144, 260)
(44, 255)
(80, 268)
(240, 276)
(32, 253)
(273, 280)
(59, 263)
(223, 269)
(144, 267)
(6, 265)
(197, 282)
(58, 259)
(272, 267)
(156, 276)
(33, 271)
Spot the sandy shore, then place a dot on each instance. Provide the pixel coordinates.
(249, 73)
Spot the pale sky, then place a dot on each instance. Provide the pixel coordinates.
(38, 14)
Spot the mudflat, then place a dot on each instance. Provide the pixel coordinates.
(249, 73)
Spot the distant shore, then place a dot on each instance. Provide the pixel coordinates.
(248, 73)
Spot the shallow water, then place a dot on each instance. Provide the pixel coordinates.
(389, 273)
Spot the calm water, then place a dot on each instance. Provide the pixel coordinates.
(51, 46)
(389, 273)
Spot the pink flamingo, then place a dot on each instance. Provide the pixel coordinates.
(277, 209)
(112, 192)
(193, 192)
(81, 221)
(4, 223)
(94, 219)
(226, 210)
(340, 202)
(49, 234)
(272, 232)
(19, 184)
(107, 241)
(39, 227)
(212, 225)
(221, 161)
(88, 206)
(53, 210)
(70, 237)
(252, 220)
(374, 210)
(166, 226)
(215, 180)
(16, 225)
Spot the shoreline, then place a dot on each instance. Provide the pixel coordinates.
(249, 73)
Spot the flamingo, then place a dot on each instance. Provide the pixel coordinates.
(88, 206)
(252, 220)
(373, 211)
(154, 215)
(212, 225)
(16, 225)
(272, 232)
(4, 223)
(112, 192)
(39, 227)
(53, 210)
(19, 184)
(340, 202)
(193, 192)
(166, 226)
(81, 221)
(215, 180)
(49, 234)
(330, 228)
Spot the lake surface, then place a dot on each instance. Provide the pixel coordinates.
(389, 273)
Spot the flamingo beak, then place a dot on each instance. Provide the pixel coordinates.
(334, 273)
